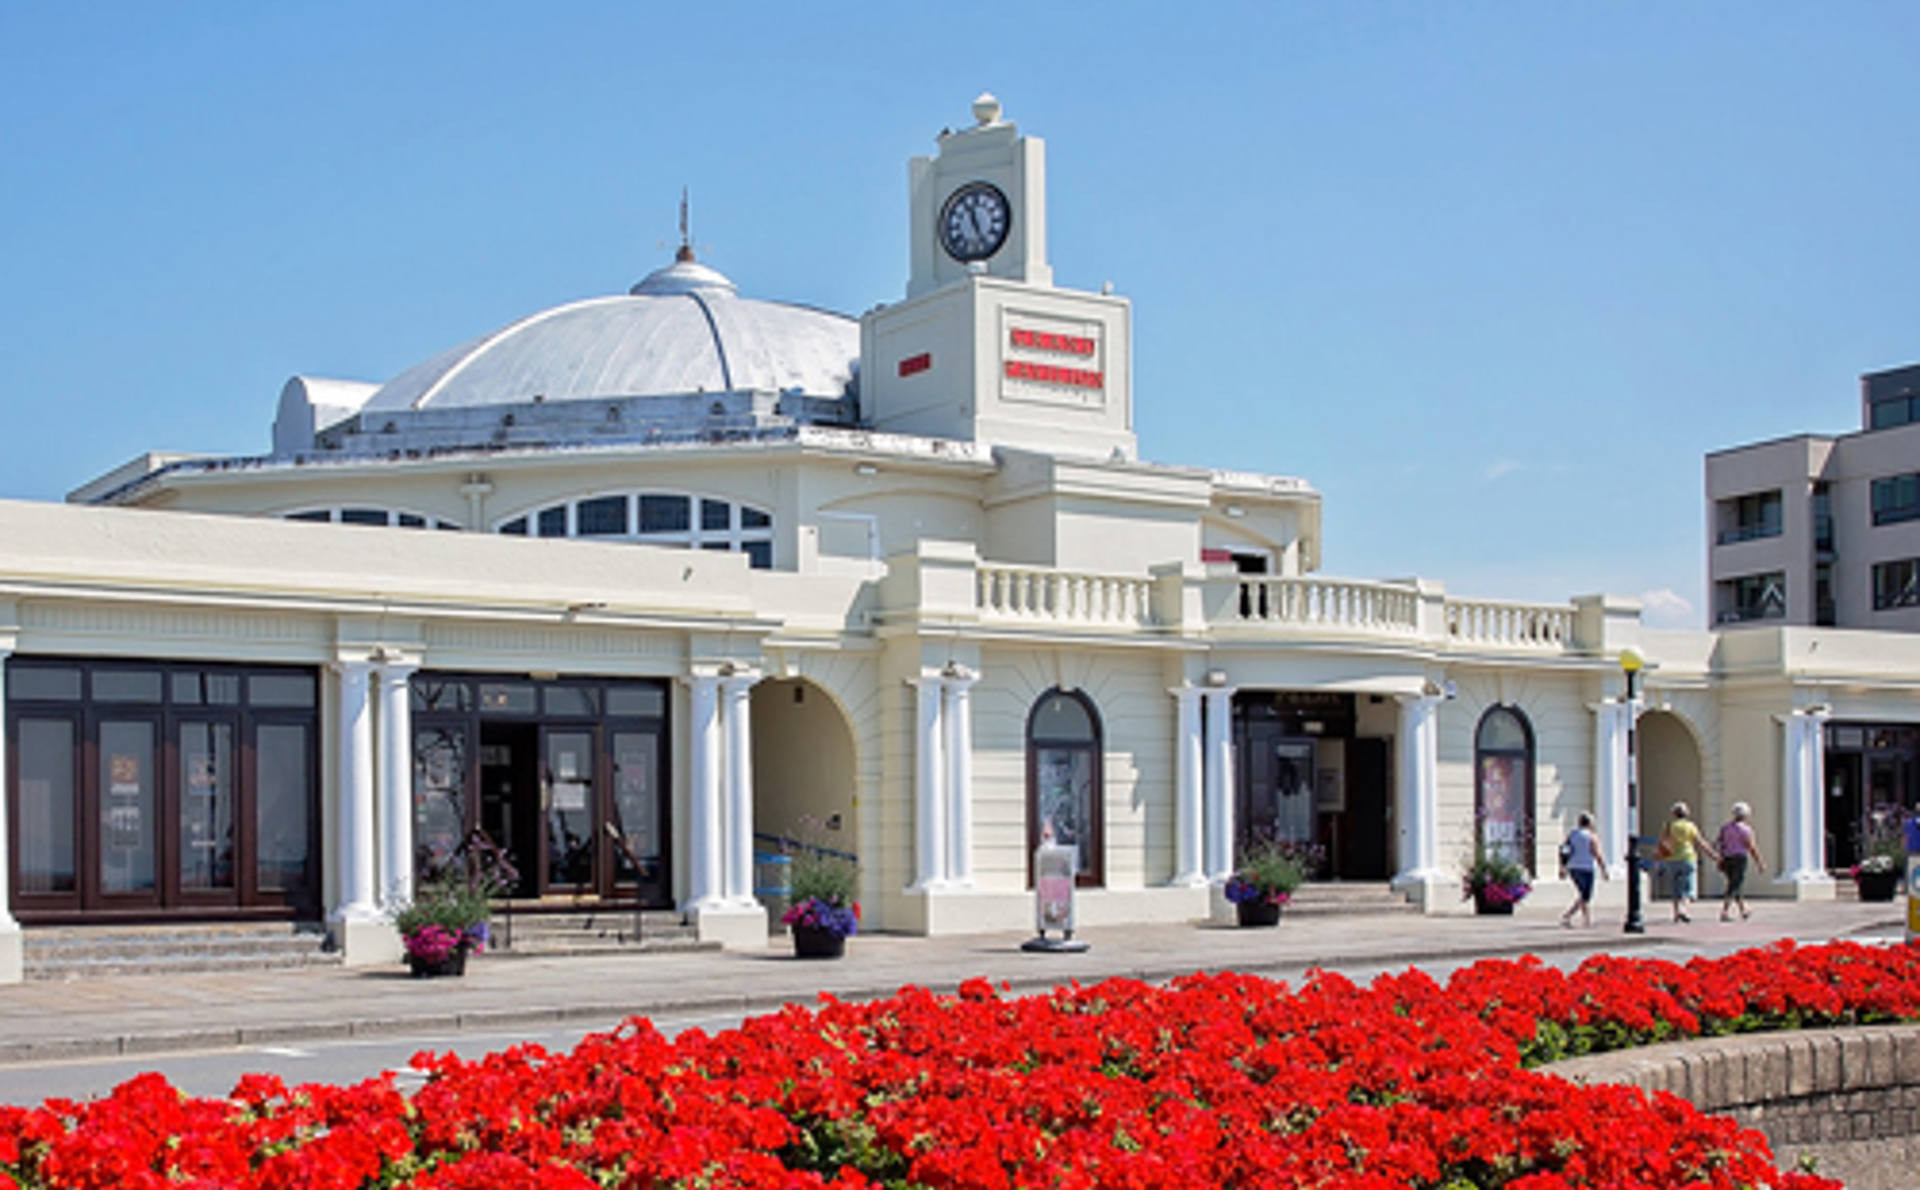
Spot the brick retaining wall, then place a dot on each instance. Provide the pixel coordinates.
(1850, 1098)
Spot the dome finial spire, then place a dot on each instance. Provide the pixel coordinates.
(685, 254)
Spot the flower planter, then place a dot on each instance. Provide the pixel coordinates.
(1258, 913)
(1878, 886)
(453, 964)
(1487, 906)
(810, 942)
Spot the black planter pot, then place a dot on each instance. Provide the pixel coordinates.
(1486, 907)
(1258, 913)
(810, 942)
(453, 964)
(1878, 886)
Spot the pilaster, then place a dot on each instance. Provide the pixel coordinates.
(12, 944)
(1189, 862)
(1417, 807)
(1218, 765)
(704, 889)
(396, 785)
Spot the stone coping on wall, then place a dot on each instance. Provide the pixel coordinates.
(1848, 1098)
(1725, 1074)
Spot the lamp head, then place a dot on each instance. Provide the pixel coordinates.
(1631, 661)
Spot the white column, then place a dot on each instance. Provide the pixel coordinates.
(703, 795)
(1802, 789)
(929, 787)
(1417, 809)
(737, 722)
(1219, 794)
(7, 923)
(396, 786)
(1612, 819)
(355, 860)
(957, 709)
(1189, 864)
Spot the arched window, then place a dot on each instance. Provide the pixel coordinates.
(395, 517)
(1503, 784)
(1063, 781)
(655, 518)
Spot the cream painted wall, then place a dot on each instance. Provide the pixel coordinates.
(1129, 692)
(1555, 706)
(803, 764)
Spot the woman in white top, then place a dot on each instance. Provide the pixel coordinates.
(1579, 856)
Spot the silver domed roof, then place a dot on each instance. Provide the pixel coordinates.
(684, 329)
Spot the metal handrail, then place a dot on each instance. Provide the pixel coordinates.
(639, 903)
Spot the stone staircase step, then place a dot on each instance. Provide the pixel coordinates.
(600, 931)
(1347, 898)
(74, 952)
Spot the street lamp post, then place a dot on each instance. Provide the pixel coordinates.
(1630, 663)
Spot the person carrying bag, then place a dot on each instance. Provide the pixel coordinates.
(1579, 856)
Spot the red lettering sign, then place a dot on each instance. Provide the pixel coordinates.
(1019, 369)
(916, 364)
(1048, 341)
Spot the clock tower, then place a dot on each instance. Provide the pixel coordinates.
(985, 348)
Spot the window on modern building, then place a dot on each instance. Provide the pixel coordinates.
(1896, 498)
(1748, 517)
(1896, 584)
(1503, 785)
(361, 515)
(1822, 518)
(1064, 781)
(1895, 411)
(1753, 597)
(1824, 612)
(655, 518)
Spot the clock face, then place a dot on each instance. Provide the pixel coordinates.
(974, 222)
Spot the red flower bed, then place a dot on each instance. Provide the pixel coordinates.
(1219, 1080)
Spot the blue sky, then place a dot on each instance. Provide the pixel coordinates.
(1493, 277)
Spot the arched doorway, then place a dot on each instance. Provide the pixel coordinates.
(803, 768)
(1669, 772)
(1064, 781)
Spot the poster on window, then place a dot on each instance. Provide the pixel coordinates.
(1503, 791)
(1065, 780)
(203, 775)
(123, 775)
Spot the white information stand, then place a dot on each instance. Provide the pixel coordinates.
(1053, 869)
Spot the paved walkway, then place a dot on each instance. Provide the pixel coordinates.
(145, 1014)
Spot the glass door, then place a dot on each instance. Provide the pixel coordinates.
(126, 868)
(567, 802)
(45, 754)
(440, 765)
(639, 860)
(208, 784)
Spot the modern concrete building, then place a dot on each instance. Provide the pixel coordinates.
(1824, 531)
(637, 583)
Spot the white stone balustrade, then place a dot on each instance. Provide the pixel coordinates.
(1507, 625)
(1325, 603)
(1405, 611)
(1064, 597)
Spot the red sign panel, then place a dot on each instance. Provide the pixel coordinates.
(1054, 374)
(1047, 341)
(915, 364)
